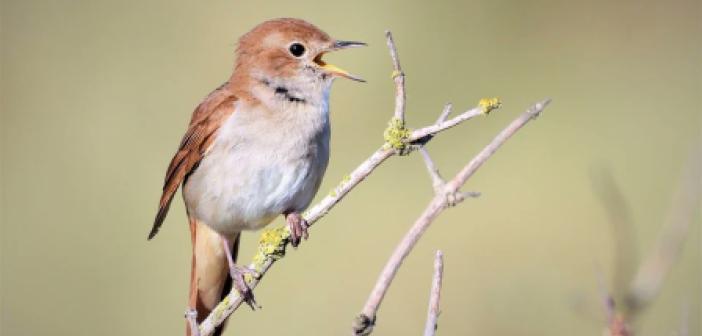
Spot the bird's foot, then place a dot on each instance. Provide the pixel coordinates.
(298, 228)
(238, 274)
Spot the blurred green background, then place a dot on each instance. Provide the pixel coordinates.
(96, 95)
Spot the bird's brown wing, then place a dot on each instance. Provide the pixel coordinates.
(206, 120)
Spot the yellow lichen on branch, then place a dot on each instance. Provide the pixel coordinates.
(271, 245)
(489, 104)
(396, 135)
(334, 192)
(219, 309)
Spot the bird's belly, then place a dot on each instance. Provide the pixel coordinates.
(239, 196)
(245, 185)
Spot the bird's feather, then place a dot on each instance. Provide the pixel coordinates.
(205, 121)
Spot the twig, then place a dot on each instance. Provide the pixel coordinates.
(444, 198)
(399, 77)
(422, 133)
(445, 113)
(491, 148)
(437, 181)
(435, 296)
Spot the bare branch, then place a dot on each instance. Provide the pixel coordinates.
(435, 296)
(399, 77)
(490, 149)
(435, 207)
(436, 128)
(470, 194)
(445, 113)
(436, 181)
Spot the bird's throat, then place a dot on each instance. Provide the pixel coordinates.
(284, 92)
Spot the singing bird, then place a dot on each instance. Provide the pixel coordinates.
(256, 148)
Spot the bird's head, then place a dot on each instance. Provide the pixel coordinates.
(288, 53)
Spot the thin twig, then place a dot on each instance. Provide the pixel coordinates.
(437, 181)
(233, 300)
(399, 77)
(445, 113)
(435, 296)
(436, 128)
(490, 149)
(435, 207)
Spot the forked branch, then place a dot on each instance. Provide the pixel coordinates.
(447, 194)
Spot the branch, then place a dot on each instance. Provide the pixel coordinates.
(449, 195)
(437, 182)
(399, 77)
(433, 312)
(273, 242)
(491, 148)
(424, 132)
(445, 113)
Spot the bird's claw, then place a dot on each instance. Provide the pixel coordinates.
(242, 287)
(298, 228)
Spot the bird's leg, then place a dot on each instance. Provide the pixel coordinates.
(298, 228)
(237, 273)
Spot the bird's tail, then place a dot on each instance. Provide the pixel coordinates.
(209, 276)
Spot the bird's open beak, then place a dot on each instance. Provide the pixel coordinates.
(333, 69)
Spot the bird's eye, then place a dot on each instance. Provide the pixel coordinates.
(297, 49)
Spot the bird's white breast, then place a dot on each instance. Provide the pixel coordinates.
(262, 163)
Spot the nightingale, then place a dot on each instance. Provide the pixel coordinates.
(256, 148)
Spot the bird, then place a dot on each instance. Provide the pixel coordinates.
(256, 148)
